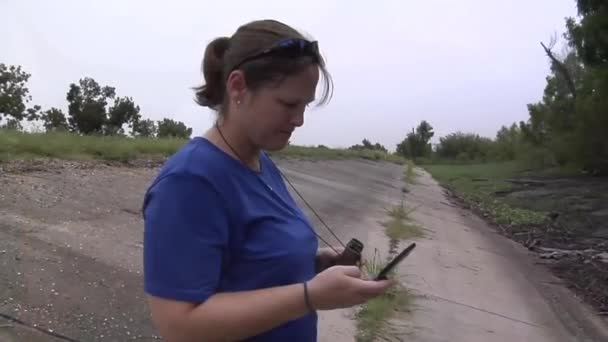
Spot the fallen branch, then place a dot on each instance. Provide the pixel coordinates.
(555, 253)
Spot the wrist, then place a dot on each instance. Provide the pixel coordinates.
(307, 297)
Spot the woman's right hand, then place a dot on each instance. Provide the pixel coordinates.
(342, 286)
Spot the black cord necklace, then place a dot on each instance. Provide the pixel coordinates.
(217, 127)
(234, 150)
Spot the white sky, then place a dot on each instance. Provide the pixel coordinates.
(469, 65)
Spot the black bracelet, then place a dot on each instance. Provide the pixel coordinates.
(307, 297)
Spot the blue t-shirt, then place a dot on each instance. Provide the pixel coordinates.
(213, 225)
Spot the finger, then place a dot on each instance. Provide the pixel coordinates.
(336, 251)
(373, 288)
(352, 271)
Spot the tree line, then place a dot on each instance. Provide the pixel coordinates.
(567, 127)
(92, 109)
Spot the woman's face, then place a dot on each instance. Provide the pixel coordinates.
(271, 114)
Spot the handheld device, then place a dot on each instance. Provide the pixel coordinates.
(352, 253)
(382, 275)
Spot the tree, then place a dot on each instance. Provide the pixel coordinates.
(570, 123)
(89, 112)
(367, 145)
(87, 106)
(14, 95)
(417, 142)
(144, 128)
(54, 119)
(124, 111)
(425, 132)
(464, 147)
(175, 129)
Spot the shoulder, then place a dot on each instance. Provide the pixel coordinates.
(196, 169)
(197, 157)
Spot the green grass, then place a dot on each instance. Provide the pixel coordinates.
(374, 315)
(477, 184)
(409, 175)
(19, 145)
(16, 145)
(400, 226)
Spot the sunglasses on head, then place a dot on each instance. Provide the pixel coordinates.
(287, 48)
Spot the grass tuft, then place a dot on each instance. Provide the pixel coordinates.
(374, 315)
(401, 225)
(410, 175)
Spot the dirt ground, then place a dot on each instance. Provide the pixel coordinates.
(71, 243)
(574, 244)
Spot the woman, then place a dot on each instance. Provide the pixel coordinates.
(228, 255)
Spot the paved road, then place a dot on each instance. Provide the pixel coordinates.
(70, 244)
(70, 259)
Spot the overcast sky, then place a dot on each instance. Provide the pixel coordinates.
(469, 65)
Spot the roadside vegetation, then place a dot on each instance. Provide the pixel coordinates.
(543, 181)
(373, 320)
(401, 226)
(15, 144)
(374, 316)
(479, 184)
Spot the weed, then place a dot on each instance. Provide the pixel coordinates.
(401, 226)
(410, 175)
(374, 315)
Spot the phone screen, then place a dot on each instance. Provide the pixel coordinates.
(382, 275)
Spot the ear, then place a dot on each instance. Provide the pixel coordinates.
(236, 86)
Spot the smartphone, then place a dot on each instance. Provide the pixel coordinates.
(382, 275)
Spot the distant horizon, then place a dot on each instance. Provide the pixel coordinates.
(465, 67)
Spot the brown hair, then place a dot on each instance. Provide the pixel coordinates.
(223, 53)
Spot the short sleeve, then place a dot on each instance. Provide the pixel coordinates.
(186, 229)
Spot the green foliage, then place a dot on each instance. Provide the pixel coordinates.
(145, 128)
(87, 103)
(570, 123)
(124, 111)
(375, 314)
(464, 147)
(65, 145)
(367, 145)
(92, 110)
(171, 128)
(416, 143)
(68, 145)
(54, 120)
(409, 175)
(477, 185)
(14, 96)
(401, 226)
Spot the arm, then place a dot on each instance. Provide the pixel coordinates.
(228, 316)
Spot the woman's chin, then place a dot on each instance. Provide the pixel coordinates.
(277, 144)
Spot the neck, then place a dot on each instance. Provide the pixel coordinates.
(229, 138)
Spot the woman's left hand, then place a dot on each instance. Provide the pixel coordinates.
(327, 257)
